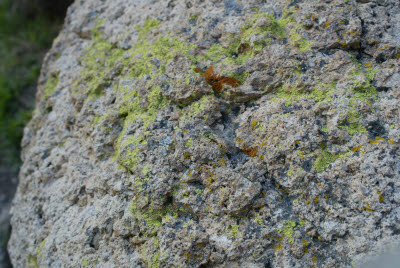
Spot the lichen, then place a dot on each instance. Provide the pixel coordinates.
(288, 230)
(198, 106)
(155, 260)
(325, 158)
(298, 41)
(233, 229)
(146, 28)
(351, 124)
(321, 93)
(51, 85)
(32, 262)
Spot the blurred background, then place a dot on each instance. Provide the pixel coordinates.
(27, 29)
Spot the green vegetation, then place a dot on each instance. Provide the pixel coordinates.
(23, 42)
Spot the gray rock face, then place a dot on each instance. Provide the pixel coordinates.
(214, 134)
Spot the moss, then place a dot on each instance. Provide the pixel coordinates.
(51, 85)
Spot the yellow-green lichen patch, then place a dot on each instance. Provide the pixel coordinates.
(325, 158)
(150, 218)
(321, 93)
(198, 106)
(361, 82)
(144, 29)
(297, 41)
(155, 260)
(145, 107)
(231, 55)
(32, 262)
(258, 219)
(264, 26)
(233, 230)
(288, 230)
(265, 23)
(267, 26)
(51, 85)
(351, 123)
(39, 249)
(85, 262)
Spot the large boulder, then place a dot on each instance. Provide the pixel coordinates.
(214, 134)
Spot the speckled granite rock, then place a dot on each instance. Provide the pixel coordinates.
(214, 134)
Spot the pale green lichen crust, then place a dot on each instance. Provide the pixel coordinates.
(265, 169)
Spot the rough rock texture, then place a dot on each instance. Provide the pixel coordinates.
(135, 156)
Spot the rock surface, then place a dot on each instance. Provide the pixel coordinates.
(214, 134)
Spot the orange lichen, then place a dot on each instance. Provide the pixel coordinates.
(356, 148)
(250, 151)
(217, 81)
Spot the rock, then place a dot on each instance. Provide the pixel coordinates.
(139, 159)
